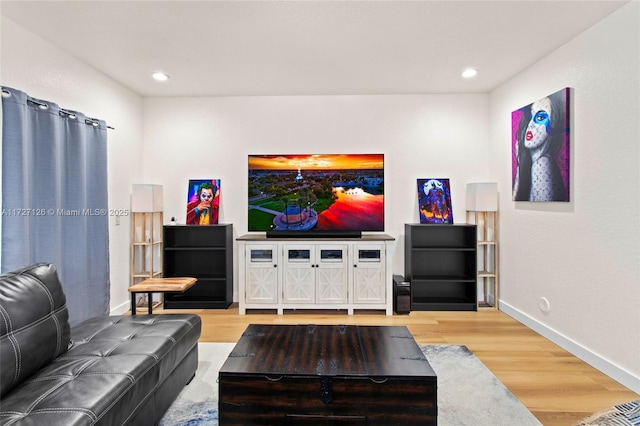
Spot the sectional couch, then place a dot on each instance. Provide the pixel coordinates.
(108, 370)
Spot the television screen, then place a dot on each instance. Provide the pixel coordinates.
(316, 192)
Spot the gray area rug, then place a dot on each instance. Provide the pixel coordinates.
(468, 393)
(627, 414)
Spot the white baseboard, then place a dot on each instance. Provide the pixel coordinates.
(617, 373)
(126, 307)
(121, 309)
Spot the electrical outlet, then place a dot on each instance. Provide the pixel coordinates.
(544, 305)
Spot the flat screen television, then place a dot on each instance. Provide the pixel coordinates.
(317, 195)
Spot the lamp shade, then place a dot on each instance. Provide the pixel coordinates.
(146, 198)
(482, 197)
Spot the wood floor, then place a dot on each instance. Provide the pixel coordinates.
(558, 388)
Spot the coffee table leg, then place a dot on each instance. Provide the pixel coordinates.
(133, 303)
(150, 301)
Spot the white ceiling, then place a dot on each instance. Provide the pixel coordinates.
(231, 48)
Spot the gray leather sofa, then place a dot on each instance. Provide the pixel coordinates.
(111, 370)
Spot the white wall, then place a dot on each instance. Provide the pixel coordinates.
(583, 256)
(421, 136)
(33, 65)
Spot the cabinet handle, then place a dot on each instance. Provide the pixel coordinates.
(275, 266)
(355, 266)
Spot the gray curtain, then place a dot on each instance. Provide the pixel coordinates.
(54, 198)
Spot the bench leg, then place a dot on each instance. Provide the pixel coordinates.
(133, 303)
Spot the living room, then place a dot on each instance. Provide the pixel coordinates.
(560, 251)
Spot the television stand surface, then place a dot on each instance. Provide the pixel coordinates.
(313, 234)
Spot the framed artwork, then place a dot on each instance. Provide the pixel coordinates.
(203, 202)
(540, 149)
(434, 201)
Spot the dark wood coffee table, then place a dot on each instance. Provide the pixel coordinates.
(327, 375)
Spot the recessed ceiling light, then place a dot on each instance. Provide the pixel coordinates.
(469, 73)
(160, 76)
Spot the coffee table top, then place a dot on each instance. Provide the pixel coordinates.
(154, 285)
(328, 350)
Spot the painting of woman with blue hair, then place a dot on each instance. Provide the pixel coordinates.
(540, 149)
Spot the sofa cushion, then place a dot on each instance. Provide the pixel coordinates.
(34, 323)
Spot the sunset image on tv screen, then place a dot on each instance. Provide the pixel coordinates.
(332, 192)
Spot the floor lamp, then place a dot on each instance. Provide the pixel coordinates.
(482, 210)
(146, 233)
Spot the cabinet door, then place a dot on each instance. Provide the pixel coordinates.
(369, 273)
(261, 274)
(331, 273)
(299, 274)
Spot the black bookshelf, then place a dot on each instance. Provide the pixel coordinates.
(204, 252)
(441, 265)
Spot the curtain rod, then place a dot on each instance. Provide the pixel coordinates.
(66, 112)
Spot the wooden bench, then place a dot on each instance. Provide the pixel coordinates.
(159, 285)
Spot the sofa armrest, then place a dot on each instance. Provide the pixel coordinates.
(34, 322)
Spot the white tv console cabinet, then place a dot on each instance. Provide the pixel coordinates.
(315, 273)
